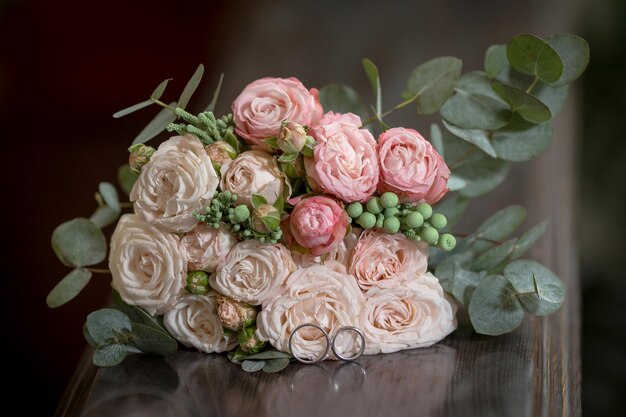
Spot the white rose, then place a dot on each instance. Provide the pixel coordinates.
(253, 271)
(416, 313)
(317, 295)
(207, 247)
(178, 181)
(194, 323)
(254, 172)
(148, 265)
(341, 254)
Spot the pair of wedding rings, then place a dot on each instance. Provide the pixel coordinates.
(330, 344)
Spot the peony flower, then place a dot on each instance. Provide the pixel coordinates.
(344, 162)
(264, 104)
(207, 247)
(252, 271)
(254, 172)
(411, 167)
(148, 266)
(194, 323)
(318, 224)
(414, 314)
(383, 260)
(178, 180)
(317, 295)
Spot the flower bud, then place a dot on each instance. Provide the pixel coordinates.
(240, 214)
(235, 315)
(198, 282)
(219, 153)
(139, 156)
(249, 342)
(263, 216)
(291, 138)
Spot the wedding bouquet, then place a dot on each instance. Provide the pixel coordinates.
(303, 208)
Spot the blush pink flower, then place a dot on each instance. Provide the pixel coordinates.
(344, 162)
(264, 104)
(318, 224)
(411, 167)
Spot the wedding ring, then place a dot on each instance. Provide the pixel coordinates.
(361, 349)
(307, 360)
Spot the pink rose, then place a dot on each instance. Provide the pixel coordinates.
(318, 224)
(410, 167)
(264, 104)
(345, 162)
(383, 260)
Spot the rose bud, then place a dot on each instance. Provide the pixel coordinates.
(220, 152)
(235, 315)
(198, 282)
(263, 216)
(291, 137)
(139, 156)
(249, 342)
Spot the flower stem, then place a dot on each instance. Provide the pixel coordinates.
(160, 103)
(126, 205)
(495, 242)
(461, 157)
(391, 110)
(98, 270)
(532, 85)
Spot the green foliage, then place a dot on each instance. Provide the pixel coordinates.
(494, 308)
(109, 355)
(528, 239)
(160, 89)
(270, 361)
(68, 288)
(372, 74)
(574, 53)
(157, 125)
(479, 138)
(539, 290)
(150, 340)
(342, 99)
(433, 82)
(216, 95)
(206, 127)
(132, 109)
(495, 60)
(79, 242)
(529, 54)
(191, 87)
(126, 178)
(529, 107)
(522, 145)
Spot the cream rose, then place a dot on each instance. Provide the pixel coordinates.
(253, 271)
(148, 265)
(254, 173)
(207, 247)
(342, 253)
(413, 314)
(194, 323)
(382, 260)
(318, 295)
(178, 181)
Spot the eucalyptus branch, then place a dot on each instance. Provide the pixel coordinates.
(166, 106)
(532, 85)
(98, 270)
(391, 110)
(495, 242)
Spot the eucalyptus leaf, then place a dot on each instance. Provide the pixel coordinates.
(479, 138)
(270, 354)
(341, 99)
(109, 194)
(436, 138)
(574, 52)
(104, 216)
(79, 242)
(275, 365)
(481, 174)
(503, 223)
(252, 366)
(522, 145)
(433, 82)
(494, 256)
(191, 87)
(452, 206)
(150, 340)
(101, 324)
(68, 288)
(528, 239)
(372, 74)
(158, 92)
(495, 60)
(553, 97)
(539, 290)
(216, 95)
(457, 279)
(126, 178)
(109, 355)
(529, 107)
(132, 109)
(137, 314)
(456, 183)
(157, 125)
(494, 308)
(88, 337)
(529, 54)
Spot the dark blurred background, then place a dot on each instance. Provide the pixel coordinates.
(66, 66)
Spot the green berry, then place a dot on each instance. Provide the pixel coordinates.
(374, 206)
(425, 210)
(430, 235)
(391, 212)
(367, 220)
(241, 213)
(379, 221)
(438, 221)
(389, 200)
(447, 242)
(391, 225)
(414, 220)
(355, 209)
